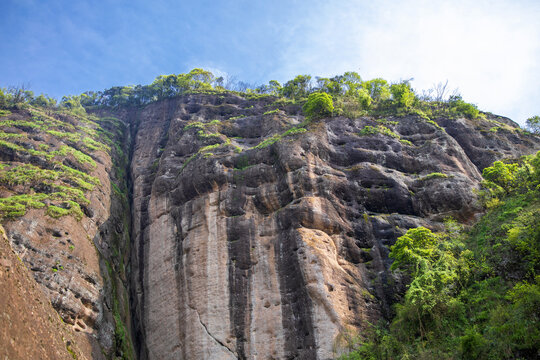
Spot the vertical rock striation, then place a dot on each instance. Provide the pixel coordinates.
(254, 242)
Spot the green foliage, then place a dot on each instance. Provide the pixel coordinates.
(54, 186)
(195, 124)
(294, 131)
(70, 208)
(60, 182)
(369, 130)
(237, 117)
(318, 105)
(403, 94)
(364, 99)
(73, 104)
(44, 101)
(435, 124)
(171, 85)
(274, 87)
(533, 124)
(406, 142)
(16, 205)
(459, 106)
(299, 129)
(270, 112)
(433, 175)
(474, 294)
(414, 251)
(267, 142)
(297, 88)
(501, 175)
(201, 134)
(377, 89)
(352, 97)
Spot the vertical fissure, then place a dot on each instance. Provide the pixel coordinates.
(296, 305)
(240, 232)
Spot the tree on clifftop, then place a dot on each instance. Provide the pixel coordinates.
(318, 105)
(533, 124)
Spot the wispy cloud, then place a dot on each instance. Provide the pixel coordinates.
(489, 49)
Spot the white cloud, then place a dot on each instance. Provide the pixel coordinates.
(489, 49)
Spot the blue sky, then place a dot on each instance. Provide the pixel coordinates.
(490, 50)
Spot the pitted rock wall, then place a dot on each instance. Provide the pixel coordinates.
(270, 252)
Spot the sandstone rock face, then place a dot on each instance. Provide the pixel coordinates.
(251, 242)
(76, 261)
(29, 326)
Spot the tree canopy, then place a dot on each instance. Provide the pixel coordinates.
(351, 95)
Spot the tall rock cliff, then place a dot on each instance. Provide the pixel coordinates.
(242, 229)
(260, 235)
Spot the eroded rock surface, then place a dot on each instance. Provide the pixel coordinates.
(29, 326)
(250, 248)
(76, 258)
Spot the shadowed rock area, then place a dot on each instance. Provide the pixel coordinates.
(254, 241)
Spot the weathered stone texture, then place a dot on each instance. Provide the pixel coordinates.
(270, 253)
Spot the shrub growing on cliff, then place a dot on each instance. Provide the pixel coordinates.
(364, 99)
(403, 94)
(297, 88)
(533, 124)
(377, 89)
(318, 105)
(457, 105)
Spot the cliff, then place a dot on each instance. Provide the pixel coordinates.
(267, 235)
(252, 232)
(67, 219)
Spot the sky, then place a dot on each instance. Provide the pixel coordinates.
(488, 50)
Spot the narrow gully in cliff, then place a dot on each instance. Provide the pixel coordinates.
(141, 182)
(136, 323)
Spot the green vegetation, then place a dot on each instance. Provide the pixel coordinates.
(433, 175)
(406, 142)
(473, 294)
(435, 124)
(458, 105)
(299, 129)
(380, 129)
(122, 341)
(267, 142)
(195, 124)
(318, 105)
(70, 350)
(533, 124)
(348, 95)
(237, 117)
(403, 94)
(16, 205)
(52, 152)
(297, 88)
(57, 174)
(270, 112)
(72, 209)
